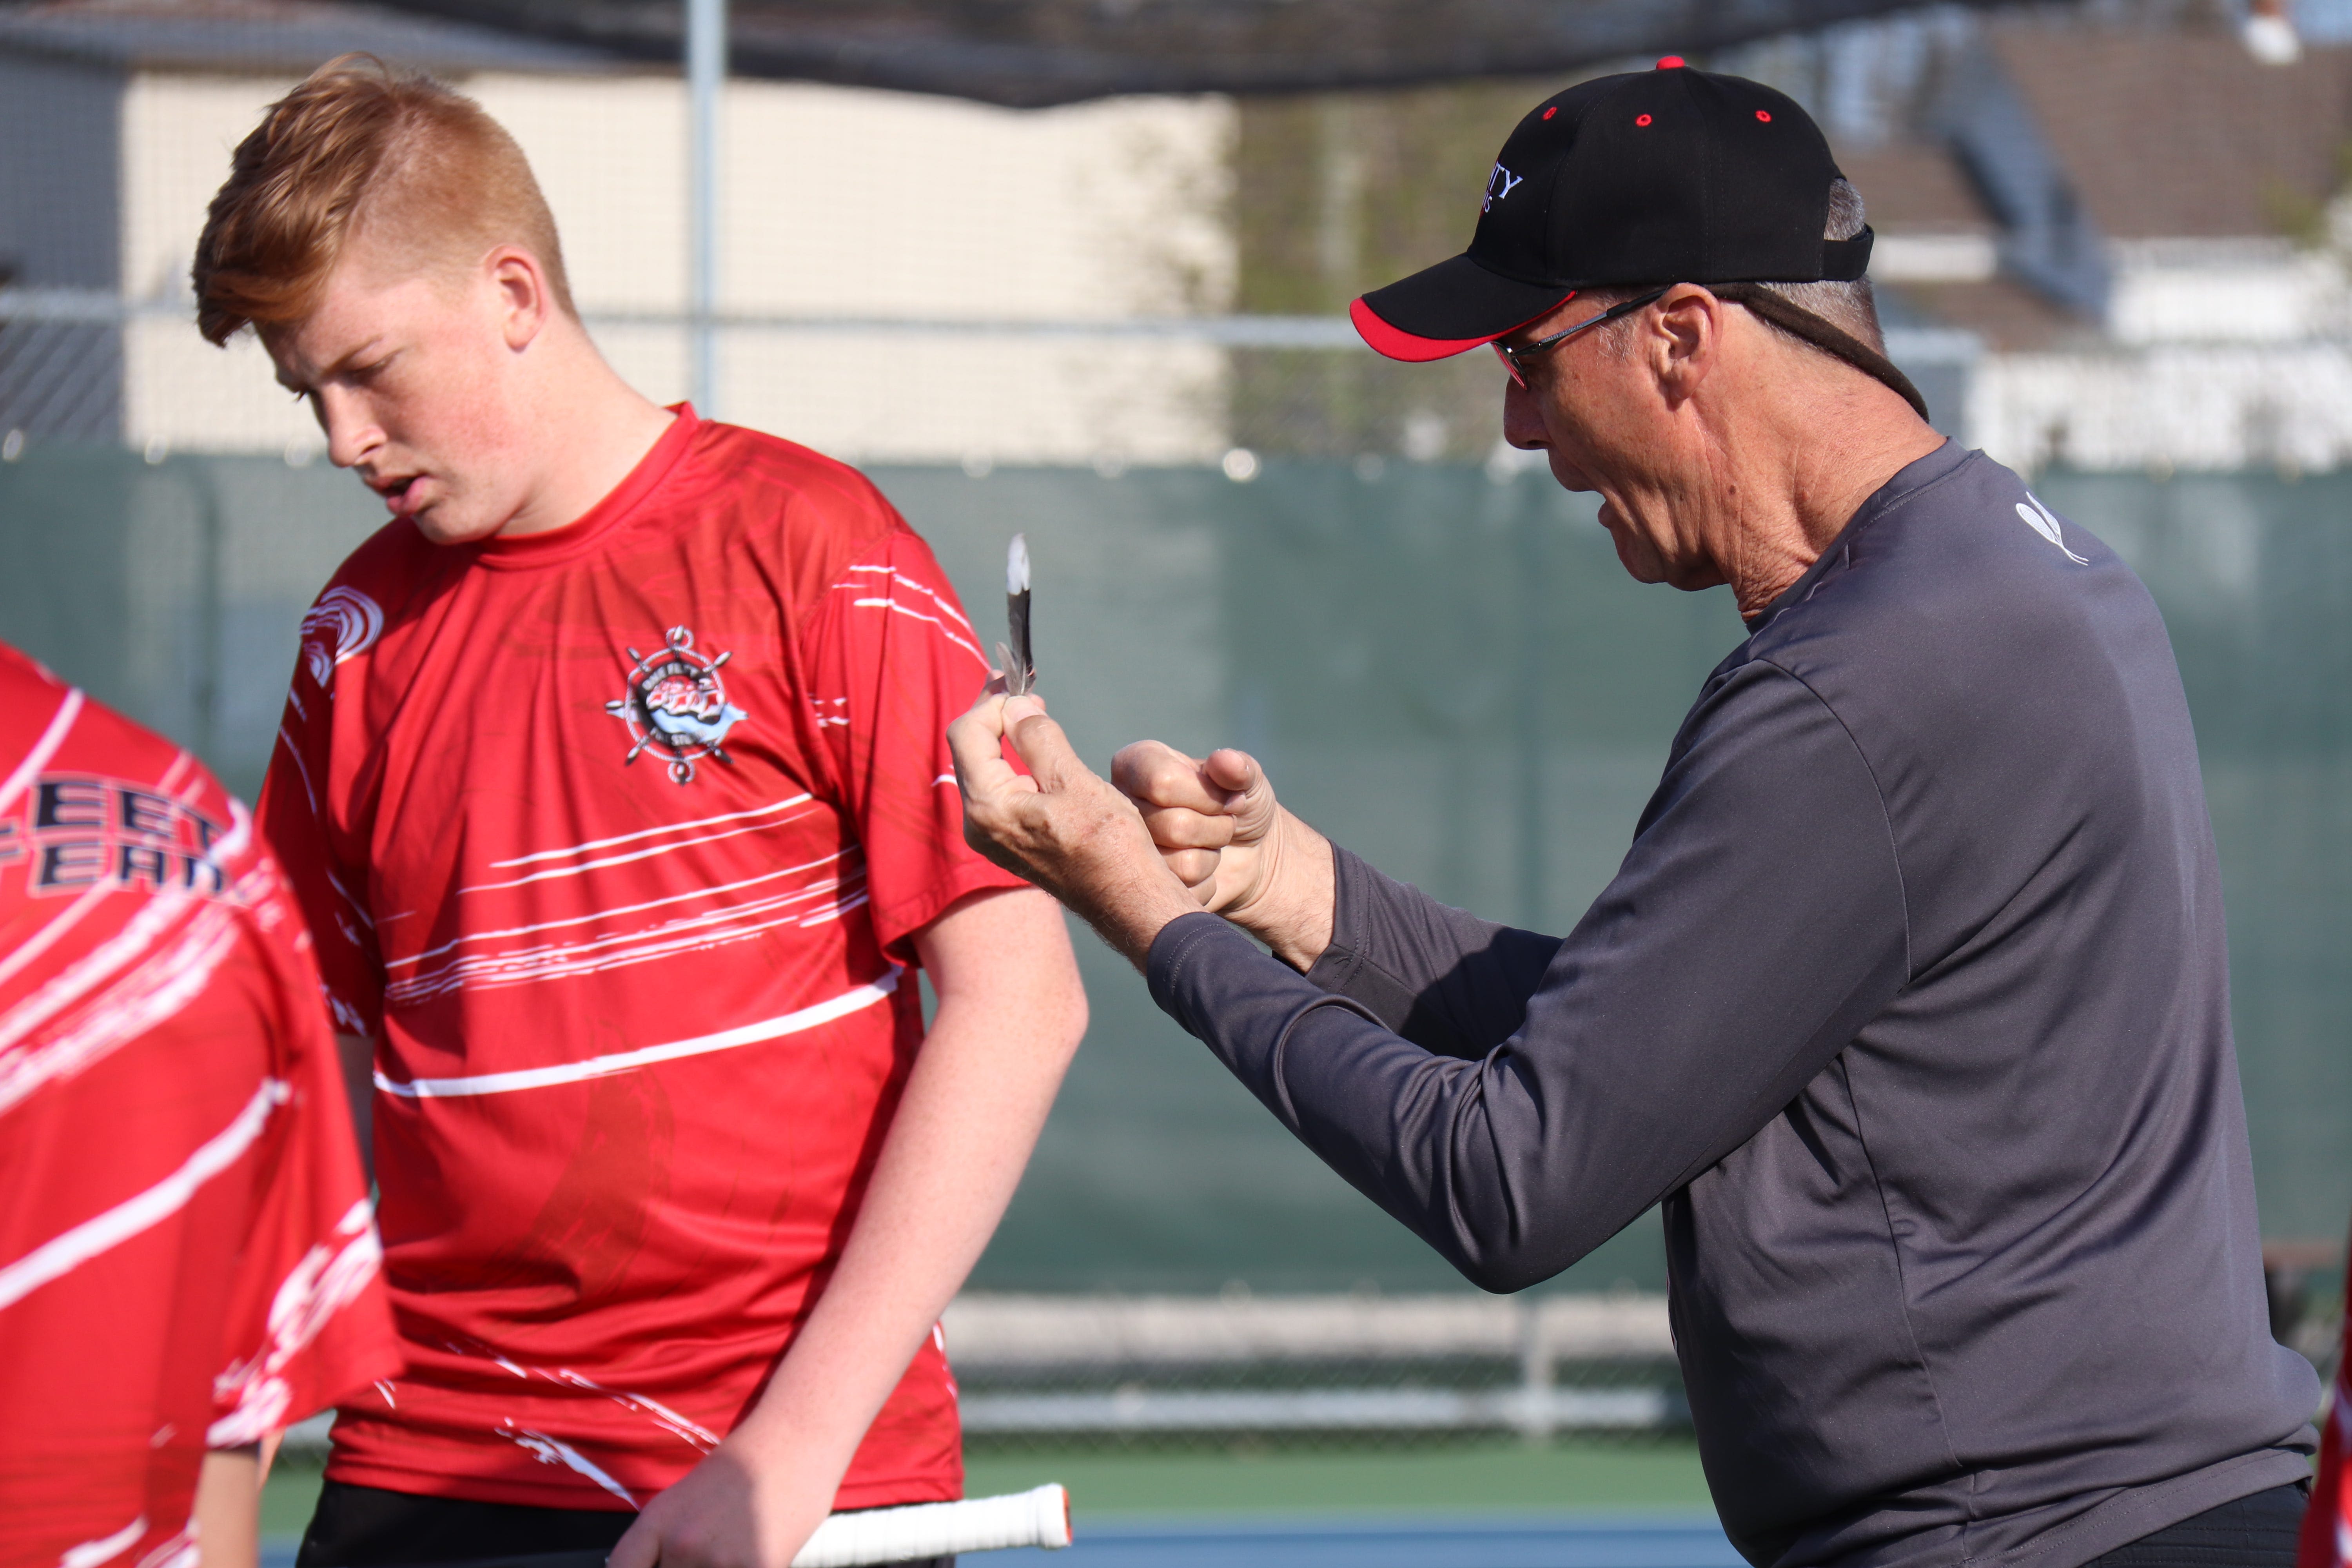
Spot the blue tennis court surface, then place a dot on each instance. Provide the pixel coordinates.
(1523, 1542)
(1509, 1543)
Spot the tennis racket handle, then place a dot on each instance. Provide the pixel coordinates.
(1039, 1517)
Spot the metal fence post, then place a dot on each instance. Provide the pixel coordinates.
(1529, 708)
(1535, 1372)
(212, 605)
(706, 74)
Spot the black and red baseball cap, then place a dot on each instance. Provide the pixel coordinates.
(1670, 176)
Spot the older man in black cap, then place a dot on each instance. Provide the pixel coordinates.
(1910, 999)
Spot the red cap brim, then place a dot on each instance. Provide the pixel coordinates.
(1395, 342)
(1392, 342)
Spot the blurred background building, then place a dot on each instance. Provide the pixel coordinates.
(1078, 268)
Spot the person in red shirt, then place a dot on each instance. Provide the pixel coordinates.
(613, 781)
(2327, 1524)
(187, 1262)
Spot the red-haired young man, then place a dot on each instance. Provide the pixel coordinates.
(613, 780)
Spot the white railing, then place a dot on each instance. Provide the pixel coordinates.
(1152, 1344)
(991, 1330)
(1156, 1340)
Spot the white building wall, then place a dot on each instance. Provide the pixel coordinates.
(890, 203)
(838, 202)
(2221, 354)
(178, 133)
(2174, 407)
(610, 155)
(2233, 290)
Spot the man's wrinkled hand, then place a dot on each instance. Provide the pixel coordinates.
(1061, 826)
(1208, 817)
(1219, 829)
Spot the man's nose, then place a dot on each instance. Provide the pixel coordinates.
(1523, 424)
(351, 432)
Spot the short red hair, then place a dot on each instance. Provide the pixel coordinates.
(423, 167)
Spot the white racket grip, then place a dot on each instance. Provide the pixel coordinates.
(1040, 1517)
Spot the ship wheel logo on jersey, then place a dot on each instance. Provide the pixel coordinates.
(677, 706)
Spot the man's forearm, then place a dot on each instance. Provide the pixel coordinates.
(1010, 1015)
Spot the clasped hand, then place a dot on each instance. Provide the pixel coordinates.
(1167, 835)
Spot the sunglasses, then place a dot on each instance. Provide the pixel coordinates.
(1515, 359)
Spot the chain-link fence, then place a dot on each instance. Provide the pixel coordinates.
(1141, 281)
(1113, 327)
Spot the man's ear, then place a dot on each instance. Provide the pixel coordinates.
(525, 304)
(1683, 338)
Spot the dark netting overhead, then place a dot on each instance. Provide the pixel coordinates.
(1031, 53)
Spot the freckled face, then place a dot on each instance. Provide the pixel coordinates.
(410, 375)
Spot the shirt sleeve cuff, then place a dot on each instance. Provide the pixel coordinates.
(1344, 970)
(895, 928)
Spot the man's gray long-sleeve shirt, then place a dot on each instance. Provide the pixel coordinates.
(1911, 1002)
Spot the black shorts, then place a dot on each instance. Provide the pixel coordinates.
(368, 1526)
(2257, 1531)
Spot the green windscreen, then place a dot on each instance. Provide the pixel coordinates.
(1442, 666)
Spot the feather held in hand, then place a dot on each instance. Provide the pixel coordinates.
(1020, 667)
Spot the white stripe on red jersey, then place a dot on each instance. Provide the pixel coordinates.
(809, 1017)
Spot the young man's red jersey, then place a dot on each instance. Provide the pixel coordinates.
(186, 1259)
(615, 838)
